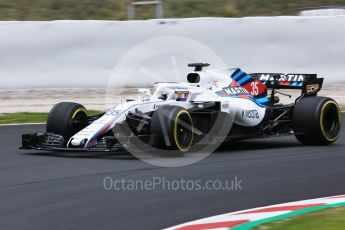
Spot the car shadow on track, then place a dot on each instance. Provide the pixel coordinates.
(96, 155)
(257, 144)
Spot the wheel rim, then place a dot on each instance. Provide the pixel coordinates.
(78, 121)
(330, 121)
(183, 131)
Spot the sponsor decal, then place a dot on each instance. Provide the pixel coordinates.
(252, 114)
(157, 106)
(114, 112)
(311, 89)
(215, 83)
(233, 91)
(283, 77)
(225, 106)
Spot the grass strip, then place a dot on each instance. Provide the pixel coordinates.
(25, 117)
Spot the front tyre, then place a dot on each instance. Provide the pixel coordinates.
(172, 128)
(66, 119)
(317, 121)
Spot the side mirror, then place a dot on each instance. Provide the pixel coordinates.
(276, 100)
(163, 97)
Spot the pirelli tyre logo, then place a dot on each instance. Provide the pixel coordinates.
(314, 88)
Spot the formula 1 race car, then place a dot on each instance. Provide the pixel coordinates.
(177, 116)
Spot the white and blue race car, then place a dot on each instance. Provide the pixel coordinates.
(226, 103)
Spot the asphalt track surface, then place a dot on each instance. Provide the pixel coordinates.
(40, 191)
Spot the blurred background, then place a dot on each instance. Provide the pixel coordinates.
(84, 51)
(118, 9)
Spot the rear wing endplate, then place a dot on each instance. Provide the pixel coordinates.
(310, 84)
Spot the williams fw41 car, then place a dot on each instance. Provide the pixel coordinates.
(177, 116)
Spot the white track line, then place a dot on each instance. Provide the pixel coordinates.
(22, 124)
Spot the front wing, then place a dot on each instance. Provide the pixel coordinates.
(54, 142)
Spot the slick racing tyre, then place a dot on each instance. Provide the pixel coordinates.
(171, 128)
(66, 119)
(317, 121)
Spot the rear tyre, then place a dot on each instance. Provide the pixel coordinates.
(172, 128)
(317, 121)
(66, 119)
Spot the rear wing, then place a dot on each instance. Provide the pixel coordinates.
(310, 84)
